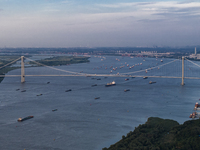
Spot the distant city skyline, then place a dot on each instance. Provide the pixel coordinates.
(105, 23)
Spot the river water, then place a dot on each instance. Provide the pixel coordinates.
(82, 122)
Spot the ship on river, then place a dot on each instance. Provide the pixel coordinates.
(110, 84)
(151, 82)
(22, 119)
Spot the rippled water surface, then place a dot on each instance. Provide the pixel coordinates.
(82, 122)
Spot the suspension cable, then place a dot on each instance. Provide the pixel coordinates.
(53, 67)
(192, 62)
(90, 74)
(150, 67)
(10, 63)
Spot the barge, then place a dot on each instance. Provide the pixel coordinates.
(23, 119)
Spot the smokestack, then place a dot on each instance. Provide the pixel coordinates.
(195, 51)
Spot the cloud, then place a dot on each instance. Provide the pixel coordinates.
(188, 8)
(118, 24)
(151, 21)
(65, 2)
(131, 13)
(122, 5)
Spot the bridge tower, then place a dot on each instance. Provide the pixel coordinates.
(182, 83)
(22, 70)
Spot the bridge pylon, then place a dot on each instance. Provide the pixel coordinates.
(182, 83)
(22, 70)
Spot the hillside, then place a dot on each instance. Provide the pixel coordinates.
(161, 134)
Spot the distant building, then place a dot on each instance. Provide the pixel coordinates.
(195, 55)
(195, 51)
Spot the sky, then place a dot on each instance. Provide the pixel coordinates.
(99, 23)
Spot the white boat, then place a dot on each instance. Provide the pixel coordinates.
(110, 84)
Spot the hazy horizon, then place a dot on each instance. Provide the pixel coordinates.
(106, 23)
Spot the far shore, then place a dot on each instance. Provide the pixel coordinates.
(54, 61)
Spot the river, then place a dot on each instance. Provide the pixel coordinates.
(82, 122)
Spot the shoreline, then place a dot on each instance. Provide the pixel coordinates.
(5, 71)
(50, 62)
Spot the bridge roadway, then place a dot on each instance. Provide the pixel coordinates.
(99, 75)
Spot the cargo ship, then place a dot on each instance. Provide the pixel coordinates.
(151, 82)
(22, 119)
(193, 115)
(110, 84)
(196, 106)
(126, 90)
(68, 90)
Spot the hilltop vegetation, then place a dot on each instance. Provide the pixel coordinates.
(161, 134)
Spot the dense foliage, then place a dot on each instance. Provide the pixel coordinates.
(5, 60)
(161, 134)
(63, 60)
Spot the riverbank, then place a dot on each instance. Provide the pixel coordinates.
(5, 59)
(54, 61)
(6, 70)
(62, 60)
(163, 134)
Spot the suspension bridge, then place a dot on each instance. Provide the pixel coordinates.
(137, 73)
